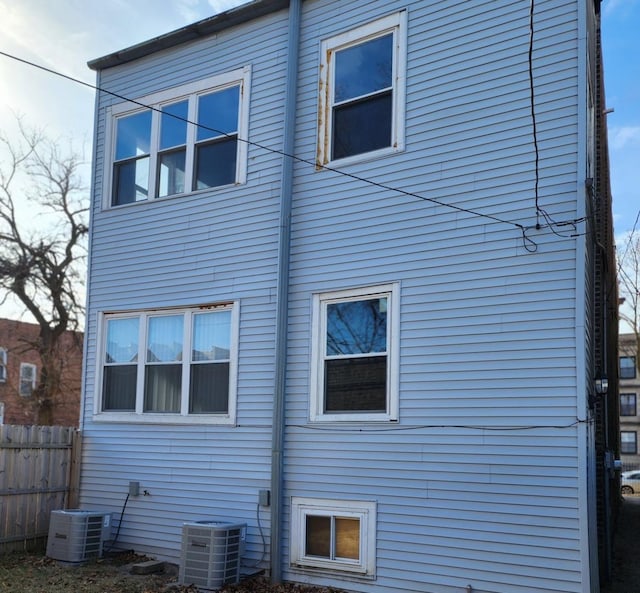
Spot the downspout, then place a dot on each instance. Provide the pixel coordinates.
(282, 292)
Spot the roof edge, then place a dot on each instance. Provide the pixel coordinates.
(203, 28)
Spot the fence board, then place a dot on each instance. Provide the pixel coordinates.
(38, 474)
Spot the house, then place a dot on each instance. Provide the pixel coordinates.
(629, 390)
(20, 367)
(351, 282)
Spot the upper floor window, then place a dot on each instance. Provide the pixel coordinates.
(28, 374)
(355, 355)
(628, 404)
(170, 364)
(188, 139)
(627, 367)
(3, 365)
(362, 91)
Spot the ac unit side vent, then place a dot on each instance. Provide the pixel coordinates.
(211, 554)
(76, 535)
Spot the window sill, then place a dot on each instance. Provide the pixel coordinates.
(359, 158)
(132, 418)
(182, 196)
(337, 570)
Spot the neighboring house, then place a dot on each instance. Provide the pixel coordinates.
(396, 332)
(20, 368)
(629, 393)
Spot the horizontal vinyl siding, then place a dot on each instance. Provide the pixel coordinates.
(211, 246)
(478, 481)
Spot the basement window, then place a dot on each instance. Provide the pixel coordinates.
(333, 535)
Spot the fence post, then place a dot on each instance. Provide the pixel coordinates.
(74, 471)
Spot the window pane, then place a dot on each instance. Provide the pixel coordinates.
(362, 126)
(173, 125)
(364, 68)
(628, 443)
(171, 178)
(133, 135)
(209, 391)
(216, 164)
(627, 367)
(130, 181)
(357, 327)
(356, 384)
(218, 113)
(318, 536)
(211, 336)
(627, 404)
(164, 342)
(162, 388)
(347, 538)
(122, 340)
(119, 387)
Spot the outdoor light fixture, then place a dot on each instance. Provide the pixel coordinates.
(602, 384)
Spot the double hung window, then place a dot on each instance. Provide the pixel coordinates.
(355, 355)
(28, 376)
(170, 364)
(362, 91)
(185, 140)
(627, 367)
(628, 442)
(333, 535)
(628, 404)
(3, 365)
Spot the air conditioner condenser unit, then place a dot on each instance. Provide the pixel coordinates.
(211, 553)
(76, 535)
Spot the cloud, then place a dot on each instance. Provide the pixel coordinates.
(624, 137)
(618, 7)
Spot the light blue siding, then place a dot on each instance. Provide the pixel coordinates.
(213, 246)
(470, 488)
(479, 482)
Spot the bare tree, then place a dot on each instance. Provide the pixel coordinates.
(629, 284)
(42, 245)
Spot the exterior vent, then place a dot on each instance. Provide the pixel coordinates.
(76, 535)
(211, 553)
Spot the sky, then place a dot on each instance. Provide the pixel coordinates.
(64, 35)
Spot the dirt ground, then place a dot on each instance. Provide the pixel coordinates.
(626, 555)
(34, 573)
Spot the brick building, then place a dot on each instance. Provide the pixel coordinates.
(20, 368)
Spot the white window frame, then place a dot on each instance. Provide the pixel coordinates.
(364, 511)
(396, 23)
(240, 77)
(183, 417)
(320, 302)
(3, 365)
(34, 377)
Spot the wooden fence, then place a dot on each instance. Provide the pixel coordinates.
(39, 472)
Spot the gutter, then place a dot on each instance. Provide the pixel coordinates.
(282, 293)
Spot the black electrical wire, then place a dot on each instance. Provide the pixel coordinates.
(115, 539)
(529, 244)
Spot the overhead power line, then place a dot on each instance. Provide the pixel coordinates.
(528, 243)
